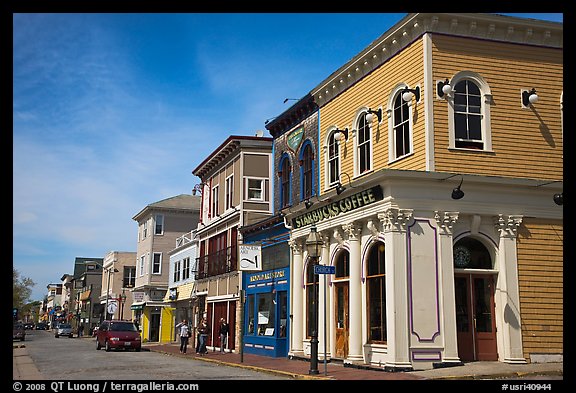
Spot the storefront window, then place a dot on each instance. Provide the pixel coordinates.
(377, 293)
(266, 314)
(250, 306)
(283, 300)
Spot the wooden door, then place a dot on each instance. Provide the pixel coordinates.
(341, 322)
(475, 322)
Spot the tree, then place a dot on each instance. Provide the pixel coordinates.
(21, 290)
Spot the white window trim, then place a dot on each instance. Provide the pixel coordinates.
(152, 264)
(391, 134)
(262, 189)
(327, 184)
(485, 122)
(356, 154)
(229, 190)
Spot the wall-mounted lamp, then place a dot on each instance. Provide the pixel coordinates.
(268, 120)
(290, 99)
(444, 88)
(559, 199)
(407, 94)
(371, 113)
(308, 203)
(198, 188)
(457, 193)
(529, 97)
(340, 188)
(338, 134)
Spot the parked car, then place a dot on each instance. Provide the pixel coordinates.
(117, 334)
(41, 326)
(18, 331)
(63, 329)
(29, 325)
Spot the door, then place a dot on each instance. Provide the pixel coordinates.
(341, 320)
(154, 326)
(475, 323)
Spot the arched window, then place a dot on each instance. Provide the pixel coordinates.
(284, 174)
(469, 112)
(363, 146)
(470, 253)
(307, 171)
(401, 137)
(342, 265)
(376, 287)
(333, 160)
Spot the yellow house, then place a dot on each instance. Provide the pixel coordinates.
(440, 164)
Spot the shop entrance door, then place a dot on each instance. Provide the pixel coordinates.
(154, 326)
(341, 320)
(475, 323)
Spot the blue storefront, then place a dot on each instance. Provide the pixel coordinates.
(267, 292)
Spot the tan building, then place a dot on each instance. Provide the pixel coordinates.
(441, 164)
(159, 225)
(118, 279)
(235, 192)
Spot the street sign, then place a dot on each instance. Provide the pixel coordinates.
(324, 269)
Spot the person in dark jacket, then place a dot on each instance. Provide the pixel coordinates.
(223, 334)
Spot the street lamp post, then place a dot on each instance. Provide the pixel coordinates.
(110, 270)
(313, 246)
(122, 299)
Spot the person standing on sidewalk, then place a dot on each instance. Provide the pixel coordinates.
(203, 330)
(223, 334)
(184, 335)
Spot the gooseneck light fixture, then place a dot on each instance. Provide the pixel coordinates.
(529, 97)
(407, 94)
(339, 134)
(444, 88)
(457, 193)
(340, 188)
(371, 113)
(559, 199)
(314, 246)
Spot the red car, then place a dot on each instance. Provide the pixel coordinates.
(118, 334)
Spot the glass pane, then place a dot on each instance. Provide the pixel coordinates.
(461, 127)
(340, 307)
(474, 101)
(472, 88)
(474, 128)
(250, 313)
(266, 314)
(462, 319)
(482, 306)
(283, 300)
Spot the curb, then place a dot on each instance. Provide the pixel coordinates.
(248, 367)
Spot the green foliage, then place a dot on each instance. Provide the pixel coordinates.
(21, 290)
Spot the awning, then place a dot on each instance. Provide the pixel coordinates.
(85, 295)
(137, 306)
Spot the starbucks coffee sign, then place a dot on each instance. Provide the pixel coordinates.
(333, 209)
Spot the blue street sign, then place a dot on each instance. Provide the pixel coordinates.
(324, 269)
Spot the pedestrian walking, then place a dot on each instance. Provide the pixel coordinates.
(203, 330)
(184, 335)
(223, 334)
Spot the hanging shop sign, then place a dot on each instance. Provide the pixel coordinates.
(344, 205)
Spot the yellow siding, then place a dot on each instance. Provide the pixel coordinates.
(525, 142)
(540, 279)
(373, 91)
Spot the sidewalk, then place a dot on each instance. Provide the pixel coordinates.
(298, 369)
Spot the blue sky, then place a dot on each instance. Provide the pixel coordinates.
(112, 112)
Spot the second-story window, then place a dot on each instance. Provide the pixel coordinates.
(129, 277)
(285, 171)
(307, 171)
(159, 224)
(142, 263)
(185, 268)
(401, 135)
(176, 271)
(255, 189)
(333, 160)
(157, 263)
(467, 115)
(364, 146)
(215, 201)
(229, 192)
(145, 229)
